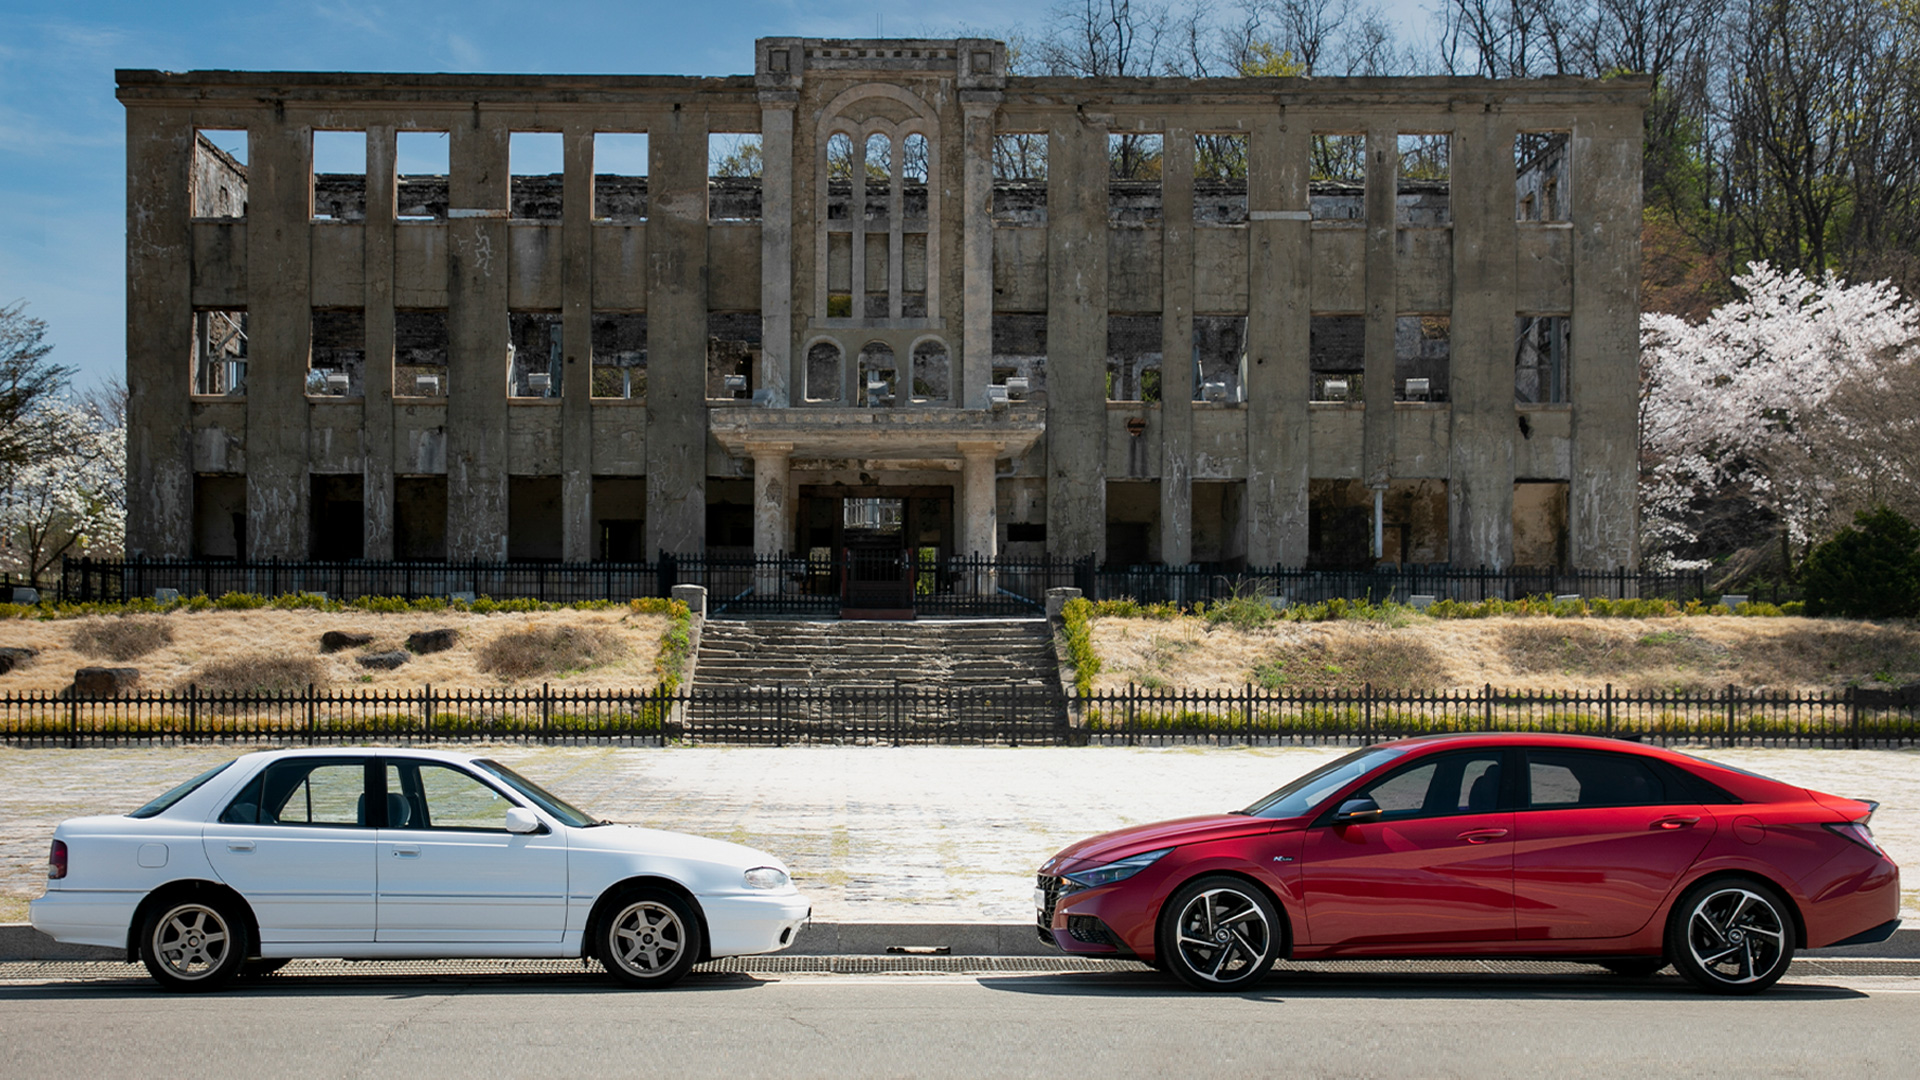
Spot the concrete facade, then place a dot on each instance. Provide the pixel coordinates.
(1233, 322)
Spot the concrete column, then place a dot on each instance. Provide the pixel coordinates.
(771, 480)
(1480, 469)
(1603, 372)
(1383, 300)
(159, 332)
(279, 332)
(677, 332)
(776, 245)
(1077, 337)
(1279, 321)
(477, 331)
(976, 223)
(377, 374)
(1176, 348)
(576, 340)
(981, 534)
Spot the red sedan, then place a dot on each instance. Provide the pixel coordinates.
(1502, 845)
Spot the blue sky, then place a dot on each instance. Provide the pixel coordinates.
(62, 153)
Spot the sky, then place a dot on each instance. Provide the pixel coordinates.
(62, 134)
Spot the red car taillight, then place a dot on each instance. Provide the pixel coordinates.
(57, 860)
(1858, 832)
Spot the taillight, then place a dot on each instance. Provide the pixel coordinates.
(1858, 832)
(57, 860)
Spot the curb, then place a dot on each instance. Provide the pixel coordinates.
(21, 942)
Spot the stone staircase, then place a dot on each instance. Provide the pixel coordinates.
(867, 675)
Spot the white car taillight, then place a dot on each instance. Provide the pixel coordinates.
(57, 861)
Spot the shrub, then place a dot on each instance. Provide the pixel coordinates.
(1869, 570)
(122, 638)
(1076, 619)
(548, 650)
(260, 673)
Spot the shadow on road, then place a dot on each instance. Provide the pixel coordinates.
(1402, 985)
(386, 986)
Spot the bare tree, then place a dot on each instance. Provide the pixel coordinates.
(27, 381)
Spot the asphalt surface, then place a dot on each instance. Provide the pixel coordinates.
(997, 1019)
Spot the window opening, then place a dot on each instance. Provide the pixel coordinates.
(733, 176)
(1020, 351)
(620, 355)
(1422, 355)
(534, 361)
(220, 352)
(1424, 192)
(878, 208)
(733, 354)
(1540, 358)
(420, 350)
(1133, 357)
(338, 353)
(1540, 162)
(823, 372)
(1133, 178)
(534, 518)
(536, 164)
(219, 188)
(1219, 358)
(421, 158)
(619, 176)
(1220, 179)
(1337, 357)
(1337, 177)
(1020, 179)
(879, 376)
(339, 176)
(420, 517)
(930, 371)
(337, 516)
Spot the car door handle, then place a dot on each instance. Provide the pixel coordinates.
(239, 845)
(406, 851)
(1481, 836)
(1676, 823)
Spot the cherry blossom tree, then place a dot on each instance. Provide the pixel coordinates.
(69, 500)
(1801, 395)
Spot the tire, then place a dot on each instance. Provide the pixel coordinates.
(192, 944)
(1639, 967)
(649, 938)
(1731, 936)
(1219, 933)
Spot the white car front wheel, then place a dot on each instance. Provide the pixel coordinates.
(650, 938)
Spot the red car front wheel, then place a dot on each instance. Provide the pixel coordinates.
(1219, 933)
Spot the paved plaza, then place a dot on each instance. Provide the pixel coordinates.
(877, 834)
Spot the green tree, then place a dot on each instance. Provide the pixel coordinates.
(1869, 570)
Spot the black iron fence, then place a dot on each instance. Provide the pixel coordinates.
(1013, 715)
(818, 585)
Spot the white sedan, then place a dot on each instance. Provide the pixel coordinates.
(393, 853)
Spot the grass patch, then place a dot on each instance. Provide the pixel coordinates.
(127, 637)
(548, 650)
(260, 673)
(1390, 663)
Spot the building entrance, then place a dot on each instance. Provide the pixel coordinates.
(878, 546)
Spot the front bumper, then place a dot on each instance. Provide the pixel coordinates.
(744, 925)
(90, 917)
(1108, 920)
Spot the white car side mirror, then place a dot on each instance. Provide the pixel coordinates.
(521, 820)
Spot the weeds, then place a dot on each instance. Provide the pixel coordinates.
(260, 673)
(122, 638)
(548, 650)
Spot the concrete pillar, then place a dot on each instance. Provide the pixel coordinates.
(1176, 348)
(1279, 322)
(677, 332)
(477, 332)
(981, 534)
(1077, 337)
(576, 340)
(159, 332)
(1480, 470)
(1603, 372)
(377, 373)
(976, 223)
(279, 331)
(1383, 300)
(771, 508)
(776, 245)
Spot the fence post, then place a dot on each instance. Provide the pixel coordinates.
(1853, 718)
(546, 714)
(1608, 707)
(1486, 707)
(426, 698)
(73, 721)
(309, 712)
(193, 710)
(1731, 691)
(1249, 714)
(1366, 713)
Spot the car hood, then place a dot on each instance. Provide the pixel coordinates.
(660, 842)
(1120, 843)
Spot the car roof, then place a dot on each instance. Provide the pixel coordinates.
(1465, 740)
(361, 752)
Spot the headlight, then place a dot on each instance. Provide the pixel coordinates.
(1115, 871)
(766, 877)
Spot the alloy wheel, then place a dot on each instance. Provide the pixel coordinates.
(1223, 936)
(1737, 936)
(646, 939)
(192, 942)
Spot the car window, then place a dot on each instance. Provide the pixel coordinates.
(425, 795)
(160, 805)
(1462, 783)
(1305, 792)
(303, 791)
(1557, 779)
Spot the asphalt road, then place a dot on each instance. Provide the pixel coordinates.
(105, 1021)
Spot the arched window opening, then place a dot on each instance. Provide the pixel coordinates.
(823, 372)
(879, 376)
(930, 372)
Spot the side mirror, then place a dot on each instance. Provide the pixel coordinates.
(1357, 812)
(521, 820)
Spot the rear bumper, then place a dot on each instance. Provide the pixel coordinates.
(85, 918)
(1871, 937)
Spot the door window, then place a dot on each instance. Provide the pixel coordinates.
(442, 797)
(303, 791)
(1466, 783)
(1558, 779)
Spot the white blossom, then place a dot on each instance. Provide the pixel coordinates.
(70, 501)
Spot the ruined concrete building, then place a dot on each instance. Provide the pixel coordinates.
(883, 287)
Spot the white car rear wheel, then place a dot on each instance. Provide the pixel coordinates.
(193, 944)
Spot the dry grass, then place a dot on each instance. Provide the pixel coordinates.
(548, 650)
(1686, 654)
(124, 637)
(205, 637)
(262, 673)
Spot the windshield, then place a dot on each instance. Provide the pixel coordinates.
(539, 796)
(1308, 791)
(160, 804)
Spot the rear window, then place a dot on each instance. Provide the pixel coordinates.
(159, 805)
